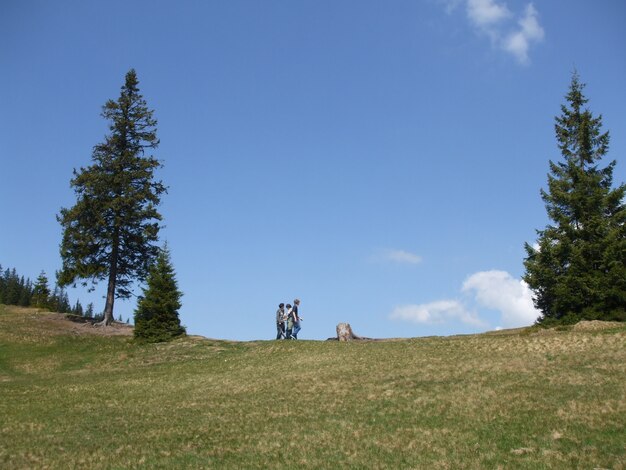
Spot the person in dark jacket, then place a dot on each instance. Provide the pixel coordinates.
(280, 321)
(296, 318)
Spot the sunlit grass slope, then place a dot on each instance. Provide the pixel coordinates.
(520, 399)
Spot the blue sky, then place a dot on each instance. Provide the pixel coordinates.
(379, 160)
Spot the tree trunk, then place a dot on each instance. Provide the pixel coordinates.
(110, 299)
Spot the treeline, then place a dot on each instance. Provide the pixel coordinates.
(16, 289)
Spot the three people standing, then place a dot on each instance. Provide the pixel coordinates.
(288, 322)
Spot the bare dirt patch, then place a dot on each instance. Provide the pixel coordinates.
(59, 324)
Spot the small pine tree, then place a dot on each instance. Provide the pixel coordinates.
(78, 309)
(63, 305)
(41, 292)
(89, 311)
(156, 316)
(54, 301)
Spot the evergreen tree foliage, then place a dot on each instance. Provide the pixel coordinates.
(14, 285)
(2, 286)
(89, 311)
(578, 270)
(64, 302)
(54, 300)
(156, 316)
(78, 309)
(112, 230)
(41, 292)
(20, 290)
(26, 292)
(59, 301)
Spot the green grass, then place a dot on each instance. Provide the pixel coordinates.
(539, 399)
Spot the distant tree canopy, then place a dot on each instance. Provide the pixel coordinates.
(112, 230)
(156, 316)
(15, 289)
(577, 270)
(18, 290)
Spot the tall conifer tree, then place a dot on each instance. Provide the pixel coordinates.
(578, 270)
(13, 289)
(156, 316)
(26, 293)
(112, 230)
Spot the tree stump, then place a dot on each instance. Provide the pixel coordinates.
(345, 333)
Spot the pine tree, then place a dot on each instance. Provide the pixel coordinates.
(156, 316)
(41, 292)
(89, 311)
(27, 293)
(54, 302)
(578, 270)
(64, 302)
(4, 286)
(13, 288)
(111, 232)
(78, 309)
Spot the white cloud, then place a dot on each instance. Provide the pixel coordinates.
(530, 31)
(442, 311)
(397, 256)
(484, 13)
(494, 290)
(498, 290)
(493, 19)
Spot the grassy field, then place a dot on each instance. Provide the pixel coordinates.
(516, 399)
